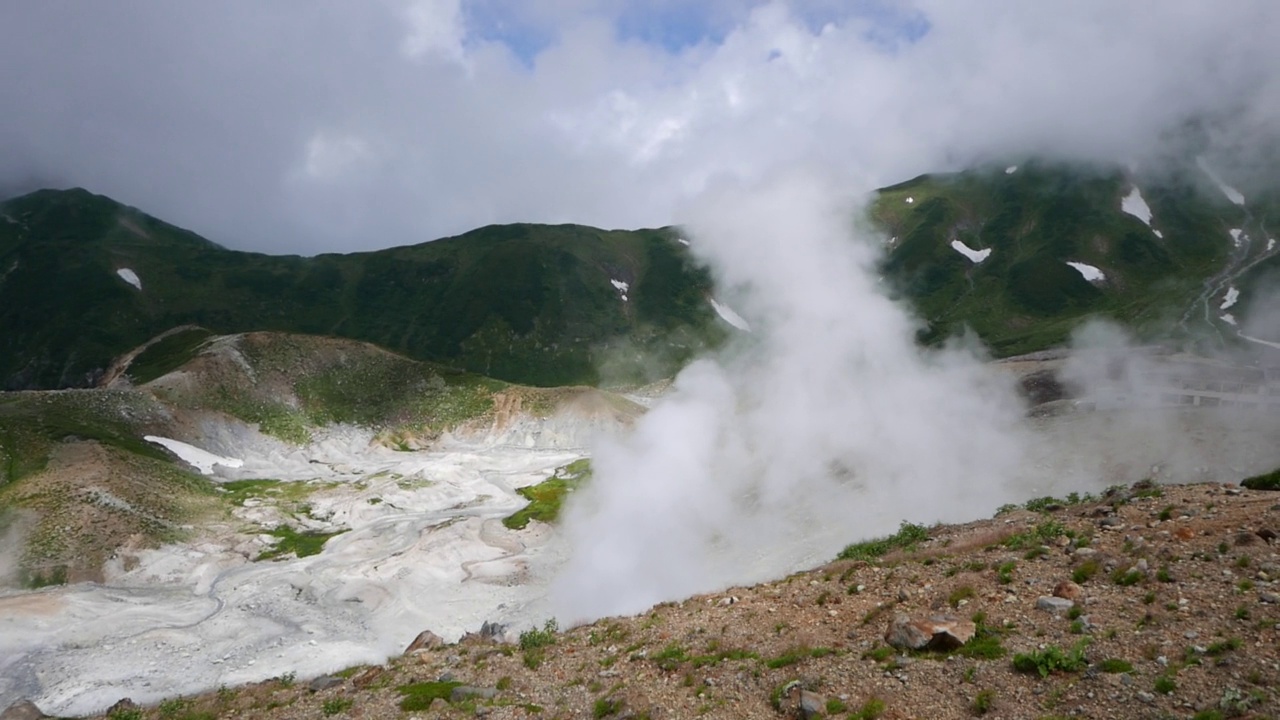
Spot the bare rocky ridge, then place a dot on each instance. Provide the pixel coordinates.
(1149, 602)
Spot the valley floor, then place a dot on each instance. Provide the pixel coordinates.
(1176, 614)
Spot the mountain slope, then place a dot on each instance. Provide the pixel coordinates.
(990, 249)
(83, 279)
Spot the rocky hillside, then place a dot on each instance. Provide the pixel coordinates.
(1148, 602)
(79, 482)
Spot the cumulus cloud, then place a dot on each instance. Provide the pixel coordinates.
(318, 126)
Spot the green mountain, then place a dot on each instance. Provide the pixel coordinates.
(535, 304)
(567, 304)
(1164, 279)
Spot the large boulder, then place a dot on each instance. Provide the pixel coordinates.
(426, 640)
(937, 632)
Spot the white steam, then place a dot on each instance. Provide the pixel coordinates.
(829, 425)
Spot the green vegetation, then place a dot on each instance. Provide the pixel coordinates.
(1043, 533)
(982, 702)
(547, 497)
(1051, 659)
(1024, 296)
(333, 706)
(1085, 571)
(870, 710)
(605, 707)
(795, 654)
(534, 642)
(1165, 684)
(526, 303)
(300, 544)
(167, 354)
(419, 696)
(1268, 481)
(908, 536)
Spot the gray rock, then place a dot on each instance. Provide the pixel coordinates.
(811, 704)
(1269, 597)
(22, 710)
(464, 692)
(1055, 605)
(324, 682)
(426, 640)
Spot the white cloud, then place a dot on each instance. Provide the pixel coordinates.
(420, 109)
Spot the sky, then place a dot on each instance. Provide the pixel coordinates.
(329, 125)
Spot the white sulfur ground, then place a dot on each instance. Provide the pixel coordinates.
(976, 256)
(429, 553)
(1089, 272)
(130, 277)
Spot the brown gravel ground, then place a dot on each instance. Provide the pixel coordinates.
(1199, 628)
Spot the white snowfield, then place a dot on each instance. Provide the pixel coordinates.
(130, 277)
(1232, 194)
(202, 460)
(1089, 272)
(1236, 235)
(1135, 205)
(1228, 318)
(683, 242)
(1230, 299)
(1011, 170)
(1271, 244)
(910, 200)
(727, 314)
(976, 256)
(621, 287)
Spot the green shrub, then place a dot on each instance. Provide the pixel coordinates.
(419, 696)
(964, 592)
(1115, 665)
(1050, 660)
(605, 707)
(1165, 685)
(1269, 481)
(870, 710)
(1085, 571)
(982, 702)
(534, 638)
(907, 537)
(333, 706)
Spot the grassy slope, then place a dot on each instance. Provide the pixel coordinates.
(526, 303)
(1024, 297)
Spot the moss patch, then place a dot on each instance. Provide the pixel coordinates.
(547, 497)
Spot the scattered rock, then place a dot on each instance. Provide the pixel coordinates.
(1056, 605)
(367, 678)
(1269, 597)
(426, 640)
(22, 710)
(1266, 534)
(324, 682)
(1111, 523)
(1245, 538)
(1068, 590)
(122, 706)
(464, 692)
(938, 632)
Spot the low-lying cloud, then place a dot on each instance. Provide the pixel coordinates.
(826, 424)
(315, 127)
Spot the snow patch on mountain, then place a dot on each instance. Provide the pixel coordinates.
(1011, 170)
(727, 314)
(1228, 318)
(910, 200)
(1236, 234)
(1135, 205)
(1232, 194)
(202, 460)
(976, 256)
(1089, 272)
(621, 287)
(1232, 295)
(130, 277)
